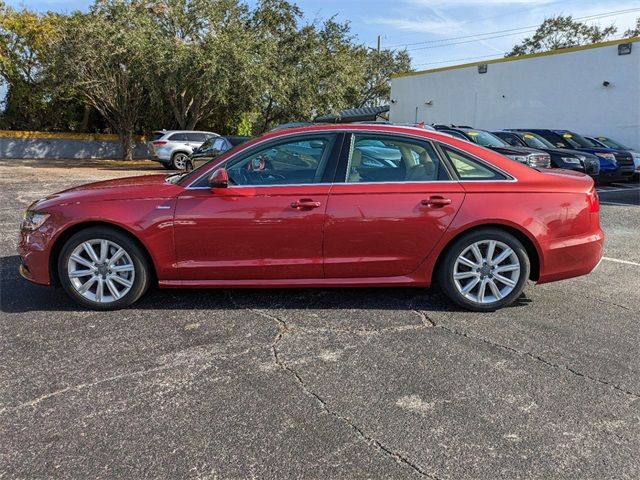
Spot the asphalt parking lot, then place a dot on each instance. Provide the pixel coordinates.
(346, 383)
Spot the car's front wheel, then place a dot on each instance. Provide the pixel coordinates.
(103, 269)
(485, 270)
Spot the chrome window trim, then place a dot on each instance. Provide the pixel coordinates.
(510, 178)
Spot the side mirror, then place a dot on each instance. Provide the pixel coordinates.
(219, 178)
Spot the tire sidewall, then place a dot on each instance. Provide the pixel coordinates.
(141, 279)
(445, 276)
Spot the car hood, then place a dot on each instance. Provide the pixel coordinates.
(515, 150)
(569, 153)
(128, 188)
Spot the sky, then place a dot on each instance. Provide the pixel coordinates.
(437, 32)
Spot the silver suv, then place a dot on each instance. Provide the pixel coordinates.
(173, 147)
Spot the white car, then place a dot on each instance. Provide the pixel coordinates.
(173, 147)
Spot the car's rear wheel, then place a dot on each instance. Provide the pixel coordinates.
(485, 270)
(179, 160)
(103, 269)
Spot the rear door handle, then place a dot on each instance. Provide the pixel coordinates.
(436, 201)
(305, 204)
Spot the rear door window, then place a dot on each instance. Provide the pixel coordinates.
(196, 137)
(178, 137)
(379, 159)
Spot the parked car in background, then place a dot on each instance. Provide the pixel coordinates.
(213, 148)
(560, 157)
(615, 165)
(530, 156)
(608, 142)
(173, 147)
(321, 218)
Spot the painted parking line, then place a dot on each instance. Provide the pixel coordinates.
(616, 260)
(610, 189)
(619, 204)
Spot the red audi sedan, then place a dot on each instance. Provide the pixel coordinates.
(321, 206)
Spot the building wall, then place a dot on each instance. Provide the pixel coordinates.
(563, 90)
(61, 145)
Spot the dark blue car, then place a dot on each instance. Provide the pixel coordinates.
(615, 165)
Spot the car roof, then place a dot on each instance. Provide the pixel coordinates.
(167, 132)
(371, 127)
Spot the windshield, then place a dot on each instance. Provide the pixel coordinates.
(611, 143)
(577, 141)
(485, 139)
(536, 141)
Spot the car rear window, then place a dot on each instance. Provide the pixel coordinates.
(469, 168)
(157, 136)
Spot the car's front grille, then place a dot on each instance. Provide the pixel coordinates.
(540, 161)
(624, 159)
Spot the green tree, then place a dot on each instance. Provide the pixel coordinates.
(635, 31)
(561, 32)
(375, 88)
(301, 70)
(105, 55)
(27, 43)
(202, 53)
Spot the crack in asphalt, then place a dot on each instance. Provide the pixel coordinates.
(283, 329)
(538, 358)
(81, 386)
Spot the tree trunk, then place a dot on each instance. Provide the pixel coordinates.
(128, 144)
(86, 115)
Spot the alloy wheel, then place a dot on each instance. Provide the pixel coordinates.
(180, 161)
(101, 270)
(486, 271)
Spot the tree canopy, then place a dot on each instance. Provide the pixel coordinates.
(131, 66)
(561, 32)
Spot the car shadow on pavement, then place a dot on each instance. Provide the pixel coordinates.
(17, 295)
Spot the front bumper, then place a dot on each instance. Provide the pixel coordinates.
(34, 257)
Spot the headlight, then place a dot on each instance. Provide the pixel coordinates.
(608, 156)
(518, 158)
(573, 160)
(33, 220)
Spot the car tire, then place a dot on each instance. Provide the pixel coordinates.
(179, 160)
(114, 276)
(474, 274)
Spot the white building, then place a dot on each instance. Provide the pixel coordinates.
(593, 90)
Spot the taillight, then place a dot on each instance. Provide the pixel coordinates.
(159, 142)
(594, 201)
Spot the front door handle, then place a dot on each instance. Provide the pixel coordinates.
(436, 201)
(305, 204)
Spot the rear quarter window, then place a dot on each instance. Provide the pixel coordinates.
(470, 169)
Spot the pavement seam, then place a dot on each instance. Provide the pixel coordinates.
(540, 359)
(283, 329)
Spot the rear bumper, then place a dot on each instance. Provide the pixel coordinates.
(571, 257)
